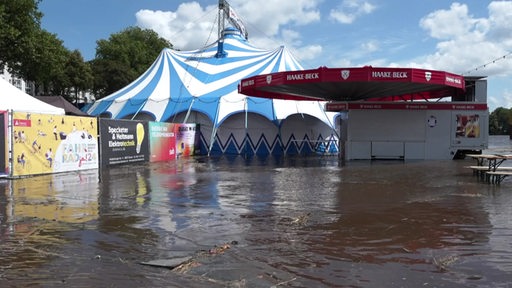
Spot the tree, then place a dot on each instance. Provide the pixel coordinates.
(500, 122)
(20, 23)
(37, 55)
(124, 57)
(78, 75)
(46, 66)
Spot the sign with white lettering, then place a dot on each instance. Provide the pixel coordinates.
(303, 76)
(247, 83)
(389, 74)
(341, 106)
(123, 141)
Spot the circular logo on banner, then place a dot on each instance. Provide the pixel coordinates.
(432, 121)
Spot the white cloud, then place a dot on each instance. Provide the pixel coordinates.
(270, 25)
(291, 37)
(270, 15)
(294, 43)
(468, 45)
(463, 42)
(345, 62)
(503, 100)
(500, 19)
(349, 10)
(370, 46)
(453, 23)
(182, 28)
(307, 52)
(359, 55)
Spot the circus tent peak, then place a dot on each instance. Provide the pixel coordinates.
(197, 80)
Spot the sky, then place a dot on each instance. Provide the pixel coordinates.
(472, 37)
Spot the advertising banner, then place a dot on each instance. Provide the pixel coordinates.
(185, 139)
(468, 126)
(123, 141)
(162, 139)
(45, 143)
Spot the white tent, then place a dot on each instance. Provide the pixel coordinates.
(201, 86)
(12, 98)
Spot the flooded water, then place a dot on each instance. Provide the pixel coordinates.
(292, 222)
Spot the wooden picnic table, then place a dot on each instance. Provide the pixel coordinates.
(492, 161)
(487, 164)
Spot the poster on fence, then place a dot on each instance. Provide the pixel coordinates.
(162, 139)
(185, 139)
(45, 143)
(123, 141)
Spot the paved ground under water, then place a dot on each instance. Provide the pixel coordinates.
(292, 222)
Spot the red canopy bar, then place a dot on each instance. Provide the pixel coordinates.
(357, 83)
(367, 105)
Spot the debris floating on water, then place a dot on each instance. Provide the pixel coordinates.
(184, 264)
(443, 263)
(167, 263)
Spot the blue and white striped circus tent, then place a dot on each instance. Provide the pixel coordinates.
(201, 86)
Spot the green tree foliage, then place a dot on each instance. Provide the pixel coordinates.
(78, 75)
(19, 28)
(124, 57)
(46, 65)
(40, 57)
(37, 55)
(500, 122)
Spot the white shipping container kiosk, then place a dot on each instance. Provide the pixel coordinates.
(390, 113)
(404, 130)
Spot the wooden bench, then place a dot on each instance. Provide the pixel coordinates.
(486, 168)
(495, 177)
(478, 170)
(481, 171)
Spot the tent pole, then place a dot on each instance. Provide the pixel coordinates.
(333, 126)
(278, 122)
(212, 139)
(280, 137)
(140, 108)
(189, 110)
(214, 128)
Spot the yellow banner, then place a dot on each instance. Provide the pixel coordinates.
(44, 143)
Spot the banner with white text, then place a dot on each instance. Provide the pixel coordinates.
(123, 141)
(162, 139)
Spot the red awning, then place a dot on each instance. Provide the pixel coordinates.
(349, 84)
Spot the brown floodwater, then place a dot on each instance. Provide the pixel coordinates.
(292, 222)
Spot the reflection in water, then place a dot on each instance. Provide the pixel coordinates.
(35, 211)
(297, 222)
(70, 197)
